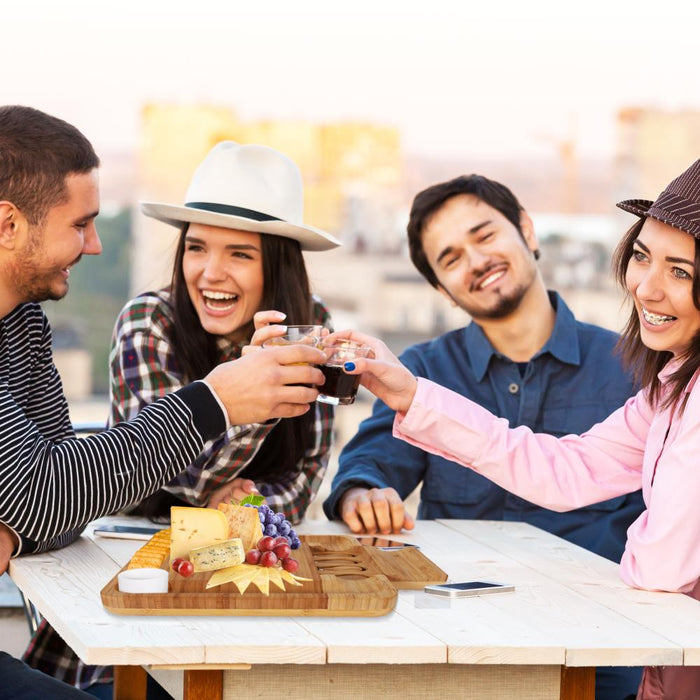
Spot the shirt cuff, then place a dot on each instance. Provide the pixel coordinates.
(219, 401)
(18, 548)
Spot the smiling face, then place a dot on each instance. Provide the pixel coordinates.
(224, 276)
(660, 280)
(482, 262)
(50, 249)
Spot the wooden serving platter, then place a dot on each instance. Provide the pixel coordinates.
(347, 579)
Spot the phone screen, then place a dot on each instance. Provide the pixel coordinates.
(469, 585)
(461, 589)
(382, 542)
(127, 532)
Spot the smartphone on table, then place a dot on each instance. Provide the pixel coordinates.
(383, 543)
(127, 532)
(468, 588)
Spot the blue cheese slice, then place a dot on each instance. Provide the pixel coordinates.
(218, 556)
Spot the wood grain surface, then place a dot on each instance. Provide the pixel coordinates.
(347, 579)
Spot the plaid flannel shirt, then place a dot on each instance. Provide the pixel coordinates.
(143, 369)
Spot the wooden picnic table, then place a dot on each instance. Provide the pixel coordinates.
(569, 613)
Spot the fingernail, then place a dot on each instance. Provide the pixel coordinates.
(349, 366)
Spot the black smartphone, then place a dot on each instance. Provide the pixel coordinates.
(383, 542)
(126, 532)
(467, 588)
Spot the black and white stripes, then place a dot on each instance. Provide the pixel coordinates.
(52, 483)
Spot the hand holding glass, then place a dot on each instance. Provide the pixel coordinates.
(341, 388)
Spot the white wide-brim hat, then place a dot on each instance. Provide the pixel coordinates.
(247, 187)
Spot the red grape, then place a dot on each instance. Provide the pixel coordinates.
(281, 540)
(266, 544)
(268, 559)
(282, 550)
(253, 556)
(185, 568)
(291, 565)
(175, 563)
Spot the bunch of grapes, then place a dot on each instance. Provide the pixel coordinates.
(276, 525)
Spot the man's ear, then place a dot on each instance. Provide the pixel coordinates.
(446, 294)
(9, 224)
(528, 229)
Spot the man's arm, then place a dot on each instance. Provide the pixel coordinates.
(376, 472)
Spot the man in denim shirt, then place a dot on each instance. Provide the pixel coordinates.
(524, 357)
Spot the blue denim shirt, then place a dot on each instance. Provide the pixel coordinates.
(574, 381)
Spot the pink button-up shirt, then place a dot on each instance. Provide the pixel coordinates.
(636, 446)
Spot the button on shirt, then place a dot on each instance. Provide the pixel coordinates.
(574, 381)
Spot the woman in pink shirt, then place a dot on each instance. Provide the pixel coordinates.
(652, 441)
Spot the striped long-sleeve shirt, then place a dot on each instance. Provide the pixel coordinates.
(52, 484)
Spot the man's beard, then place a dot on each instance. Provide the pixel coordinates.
(504, 306)
(32, 282)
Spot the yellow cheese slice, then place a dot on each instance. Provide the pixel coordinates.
(290, 578)
(231, 575)
(275, 577)
(191, 528)
(244, 581)
(262, 580)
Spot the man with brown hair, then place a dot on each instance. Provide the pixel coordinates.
(52, 484)
(524, 357)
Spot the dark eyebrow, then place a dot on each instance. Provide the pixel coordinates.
(683, 261)
(88, 217)
(471, 232)
(232, 246)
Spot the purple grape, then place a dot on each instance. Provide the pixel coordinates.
(271, 530)
(284, 528)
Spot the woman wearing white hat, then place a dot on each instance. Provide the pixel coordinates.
(238, 266)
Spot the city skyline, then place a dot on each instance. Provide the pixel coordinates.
(504, 81)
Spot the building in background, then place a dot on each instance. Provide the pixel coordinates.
(352, 175)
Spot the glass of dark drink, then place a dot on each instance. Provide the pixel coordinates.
(340, 388)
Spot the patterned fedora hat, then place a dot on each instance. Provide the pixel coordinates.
(678, 205)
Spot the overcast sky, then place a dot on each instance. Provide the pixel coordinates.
(488, 78)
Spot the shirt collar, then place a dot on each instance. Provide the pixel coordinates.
(562, 344)
(669, 368)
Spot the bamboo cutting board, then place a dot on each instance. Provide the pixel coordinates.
(347, 579)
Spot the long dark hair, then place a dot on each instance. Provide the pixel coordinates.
(644, 362)
(285, 288)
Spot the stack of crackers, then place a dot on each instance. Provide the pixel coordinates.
(153, 553)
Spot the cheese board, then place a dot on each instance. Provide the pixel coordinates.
(345, 579)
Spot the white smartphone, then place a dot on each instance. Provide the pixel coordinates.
(467, 588)
(383, 542)
(126, 532)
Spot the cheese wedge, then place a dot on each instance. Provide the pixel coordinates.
(231, 575)
(191, 528)
(262, 580)
(275, 577)
(218, 556)
(243, 523)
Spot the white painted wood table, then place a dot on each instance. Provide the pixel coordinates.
(569, 613)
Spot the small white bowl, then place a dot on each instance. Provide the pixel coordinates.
(148, 580)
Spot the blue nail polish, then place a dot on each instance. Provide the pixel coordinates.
(349, 366)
